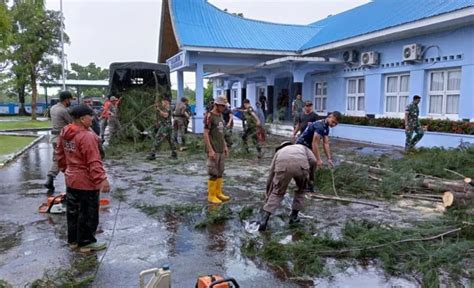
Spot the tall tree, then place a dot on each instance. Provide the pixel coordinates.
(5, 33)
(89, 72)
(36, 38)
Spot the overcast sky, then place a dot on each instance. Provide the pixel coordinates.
(106, 31)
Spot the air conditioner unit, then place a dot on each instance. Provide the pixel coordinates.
(370, 58)
(351, 56)
(412, 52)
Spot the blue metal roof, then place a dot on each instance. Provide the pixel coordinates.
(379, 15)
(198, 23)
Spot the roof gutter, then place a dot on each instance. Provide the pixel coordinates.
(397, 30)
(239, 51)
(316, 60)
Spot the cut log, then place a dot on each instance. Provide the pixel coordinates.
(446, 185)
(458, 199)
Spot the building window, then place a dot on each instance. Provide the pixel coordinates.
(219, 92)
(444, 91)
(235, 98)
(397, 89)
(355, 95)
(320, 96)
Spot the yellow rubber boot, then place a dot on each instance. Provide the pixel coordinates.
(220, 193)
(212, 191)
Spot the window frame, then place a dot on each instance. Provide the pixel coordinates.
(323, 97)
(356, 95)
(397, 94)
(444, 93)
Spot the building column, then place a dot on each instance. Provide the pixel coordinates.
(270, 80)
(180, 85)
(417, 87)
(227, 95)
(198, 125)
(270, 100)
(373, 99)
(466, 100)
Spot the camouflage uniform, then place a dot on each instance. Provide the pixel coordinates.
(251, 130)
(164, 132)
(298, 105)
(179, 123)
(413, 126)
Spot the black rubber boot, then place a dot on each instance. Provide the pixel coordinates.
(294, 217)
(151, 156)
(264, 221)
(49, 183)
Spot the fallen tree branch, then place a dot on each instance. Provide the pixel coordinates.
(340, 199)
(372, 169)
(390, 243)
(467, 180)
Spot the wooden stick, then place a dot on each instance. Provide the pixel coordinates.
(420, 198)
(333, 182)
(391, 243)
(334, 198)
(467, 180)
(428, 195)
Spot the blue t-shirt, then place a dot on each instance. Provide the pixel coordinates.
(320, 127)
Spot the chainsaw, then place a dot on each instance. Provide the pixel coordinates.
(57, 204)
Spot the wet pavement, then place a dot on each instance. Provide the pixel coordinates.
(147, 235)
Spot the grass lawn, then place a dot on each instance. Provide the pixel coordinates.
(10, 144)
(12, 125)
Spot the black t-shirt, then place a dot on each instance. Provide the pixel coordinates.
(226, 115)
(304, 119)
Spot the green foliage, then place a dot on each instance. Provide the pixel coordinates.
(137, 113)
(403, 175)
(423, 259)
(434, 161)
(245, 212)
(89, 72)
(208, 92)
(215, 215)
(35, 40)
(5, 29)
(434, 125)
(79, 274)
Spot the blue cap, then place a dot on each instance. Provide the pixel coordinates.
(165, 267)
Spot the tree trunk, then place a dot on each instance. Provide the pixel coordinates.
(458, 199)
(34, 93)
(442, 185)
(21, 99)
